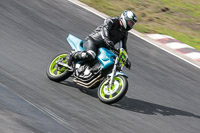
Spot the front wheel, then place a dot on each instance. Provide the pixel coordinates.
(56, 72)
(115, 93)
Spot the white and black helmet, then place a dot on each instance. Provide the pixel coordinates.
(128, 19)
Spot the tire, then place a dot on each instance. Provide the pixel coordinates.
(55, 72)
(117, 92)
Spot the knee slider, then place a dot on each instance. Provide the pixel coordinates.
(91, 55)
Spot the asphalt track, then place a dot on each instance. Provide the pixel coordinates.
(163, 95)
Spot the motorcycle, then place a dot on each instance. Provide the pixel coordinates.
(105, 72)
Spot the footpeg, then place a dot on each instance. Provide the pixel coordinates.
(71, 69)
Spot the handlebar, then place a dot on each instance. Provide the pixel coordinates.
(115, 51)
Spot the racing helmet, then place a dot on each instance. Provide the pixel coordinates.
(128, 19)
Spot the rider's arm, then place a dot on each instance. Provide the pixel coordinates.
(108, 24)
(124, 41)
(128, 63)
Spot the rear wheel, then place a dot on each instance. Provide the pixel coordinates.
(57, 72)
(115, 93)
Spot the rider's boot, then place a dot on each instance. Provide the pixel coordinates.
(70, 60)
(84, 55)
(79, 55)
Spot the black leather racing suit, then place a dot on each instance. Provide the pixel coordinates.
(110, 30)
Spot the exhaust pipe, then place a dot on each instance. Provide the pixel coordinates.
(90, 84)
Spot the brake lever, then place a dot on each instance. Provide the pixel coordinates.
(116, 51)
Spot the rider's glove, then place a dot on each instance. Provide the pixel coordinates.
(128, 64)
(110, 43)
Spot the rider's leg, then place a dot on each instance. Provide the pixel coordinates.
(84, 55)
(87, 55)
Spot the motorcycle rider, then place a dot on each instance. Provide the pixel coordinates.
(113, 30)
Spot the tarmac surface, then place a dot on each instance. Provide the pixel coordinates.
(163, 95)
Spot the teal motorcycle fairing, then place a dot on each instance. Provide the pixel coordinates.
(105, 57)
(75, 43)
(118, 73)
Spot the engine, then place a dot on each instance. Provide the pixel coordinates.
(86, 71)
(88, 75)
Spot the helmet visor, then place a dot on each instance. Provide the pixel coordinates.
(130, 23)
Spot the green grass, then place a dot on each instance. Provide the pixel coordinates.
(177, 18)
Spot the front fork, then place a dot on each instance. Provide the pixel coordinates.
(113, 73)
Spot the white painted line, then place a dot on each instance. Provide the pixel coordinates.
(193, 55)
(158, 36)
(166, 50)
(48, 112)
(177, 45)
(139, 36)
(56, 117)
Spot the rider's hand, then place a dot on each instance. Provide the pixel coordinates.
(128, 64)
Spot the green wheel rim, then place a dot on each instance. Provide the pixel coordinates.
(54, 69)
(110, 93)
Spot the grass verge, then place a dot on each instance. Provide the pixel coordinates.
(179, 19)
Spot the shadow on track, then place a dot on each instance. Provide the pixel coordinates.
(143, 107)
(91, 92)
(135, 105)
